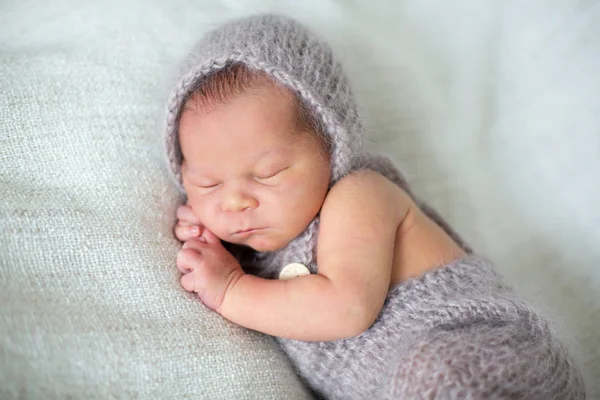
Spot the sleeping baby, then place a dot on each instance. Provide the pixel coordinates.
(290, 228)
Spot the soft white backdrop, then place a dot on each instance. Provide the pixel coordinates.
(492, 108)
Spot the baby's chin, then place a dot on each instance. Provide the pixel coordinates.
(264, 246)
(260, 243)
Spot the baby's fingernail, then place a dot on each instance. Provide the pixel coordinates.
(194, 230)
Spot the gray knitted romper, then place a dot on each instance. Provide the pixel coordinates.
(457, 331)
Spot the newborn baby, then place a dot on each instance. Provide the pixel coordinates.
(377, 297)
(256, 173)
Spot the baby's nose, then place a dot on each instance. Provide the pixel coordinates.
(236, 201)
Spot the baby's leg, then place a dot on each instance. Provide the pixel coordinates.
(504, 360)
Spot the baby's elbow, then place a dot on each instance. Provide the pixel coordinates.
(355, 308)
(358, 318)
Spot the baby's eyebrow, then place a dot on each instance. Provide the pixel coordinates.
(283, 149)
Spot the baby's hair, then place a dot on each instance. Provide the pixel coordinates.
(224, 84)
(236, 79)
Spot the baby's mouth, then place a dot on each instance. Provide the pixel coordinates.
(247, 232)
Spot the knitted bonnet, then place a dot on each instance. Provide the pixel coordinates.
(292, 56)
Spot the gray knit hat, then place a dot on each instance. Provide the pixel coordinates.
(293, 56)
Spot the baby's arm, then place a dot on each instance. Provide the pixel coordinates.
(359, 220)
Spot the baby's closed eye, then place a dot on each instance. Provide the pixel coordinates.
(271, 174)
(209, 185)
(202, 185)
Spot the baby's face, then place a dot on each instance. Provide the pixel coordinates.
(250, 175)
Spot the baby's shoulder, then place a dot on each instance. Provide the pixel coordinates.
(370, 183)
(367, 189)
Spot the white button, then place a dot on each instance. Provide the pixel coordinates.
(293, 270)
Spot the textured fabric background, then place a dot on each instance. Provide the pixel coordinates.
(90, 303)
(492, 109)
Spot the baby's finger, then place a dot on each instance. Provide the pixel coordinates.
(185, 214)
(195, 244)
(188, 260)
(188, 282)
(187, 232)
(209, 237)
(181, 222)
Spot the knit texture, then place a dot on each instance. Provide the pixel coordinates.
(457, 331)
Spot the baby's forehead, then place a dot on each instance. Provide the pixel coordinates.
(258, 108)
(245, 119)
(252, 93)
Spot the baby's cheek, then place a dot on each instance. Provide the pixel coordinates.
(292, 187)
(210, 217)
(195, 206)
(296, 205)
(283, 198)
(203, 210)
(303, 193)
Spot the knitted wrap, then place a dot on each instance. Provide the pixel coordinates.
(458, 331)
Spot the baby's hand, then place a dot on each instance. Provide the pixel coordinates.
(209, 269)
(188, 224)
